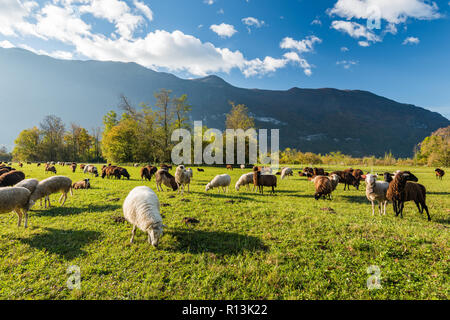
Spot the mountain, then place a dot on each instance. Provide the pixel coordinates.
(318, 120)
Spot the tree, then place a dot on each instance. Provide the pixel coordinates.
(164, 117)
(238, 118)
(119, 142)
(4, 154)
(181, 109)
(27, 145)
(53, 129)
(435, 149)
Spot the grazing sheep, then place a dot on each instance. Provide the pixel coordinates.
(83, 184)
(147, 172)
(136, 165)
(82, 166)
(402, 190)
(120, 172)
(358, 174)
(38, 164)
(50, 168)
(91, 169)
(376, 191)
(346, 177)
(245, 180)
(16, 199)
(242, 166)
(73, 166)
(325, 185)
(29, 184)
(182, 178)
(162, 176)
(20, 164)
(52, 185)
(439, 173)
(141, 209)
(229, 167)
(11, 178)
(166, 166)
(264, 180)
(4, 170)
(286, 172)
(220, 181)
(200, 170)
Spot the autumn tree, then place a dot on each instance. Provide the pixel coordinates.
(27, 145)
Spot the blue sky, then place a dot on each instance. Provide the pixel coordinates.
(269, 44)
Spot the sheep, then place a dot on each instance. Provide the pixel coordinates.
(439, 173)
(119, 172)
(318, 172)
(141, 208)
(29, 184)
(136, 165)
(191, 173)
(347, 178)
(325, 185)
(307, 172)
(182, 178)
(166, 166)
(242, 166)
(91, 169)
(11, 178)
(229, 167)
(264, 180)
(358, 174)
(83, 184)
(200, 170)
(50, 168)
(402, 190)
(4, 170)
(73, 166)
(245, 180)
(220, 181)
(147, 172)
(286, 172)
(82, 166)
(16, 199)
(163, 176)
(376, 191)
(52, 185)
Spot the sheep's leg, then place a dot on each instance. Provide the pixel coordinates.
(133, 233)
(49, 204)
(418, 206)
(402, 206)
(60, 198)
(379, 207)
(65, 198)
(19, 215)
(373, 208)
(384, 211)
(426, 209)
(25, 213)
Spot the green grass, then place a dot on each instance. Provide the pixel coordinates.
(258, 247)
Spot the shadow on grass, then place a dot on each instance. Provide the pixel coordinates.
(217, 242)
(438, 193)
(358, 199)
(65, 243)
(229, 195)
(68, 211)
(441, 221)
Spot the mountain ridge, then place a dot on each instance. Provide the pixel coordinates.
(317, 120)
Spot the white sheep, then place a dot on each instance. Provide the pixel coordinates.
(91, 169)
(376, 191)
(285, 172)
(29, 184)
(182, 178)
(52, 185)
(141, 209)
(245, 180)
(191, 173)
(16, 199)
(222, 180)
(242, 166)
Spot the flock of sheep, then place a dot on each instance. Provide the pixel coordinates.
(141, 207)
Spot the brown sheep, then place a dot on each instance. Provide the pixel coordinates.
(402, 190)
(11, 178)
(83, 184)
(4, 170)
(346, 177)
(73, 166)
(325, 185)
(264, 180)
(229, 167)
(147, 172)
(439, 173)
(50, 168)
(162, 176)
(82, 166)
(166, 166)
(358, 174)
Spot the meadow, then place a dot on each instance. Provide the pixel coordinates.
(246, 246)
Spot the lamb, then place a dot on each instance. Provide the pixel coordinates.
(164, 177)
(220, 181)
(376, 191)
(141, 208)
(11, 178)
(325, 185)
(52, 185)
(83, 184)
(402, 190)
(29, 184)
(245, 180)
(439, 173)
(286, 172)
(182, 178)
(91, 169)
(264, 180)
(16, 199)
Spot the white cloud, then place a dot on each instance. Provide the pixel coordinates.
(209, 2)
(317, 22)
(13, 15)
(355, 30)
(305, 45)
(363, 43)
(223, 30)
(393, 11)
(347, 63)
(411, 40)
(58, 54)
(6, 44)
(251, 21)
(344, 49)
(144, 9)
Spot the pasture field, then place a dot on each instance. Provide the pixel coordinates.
(247, 245)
